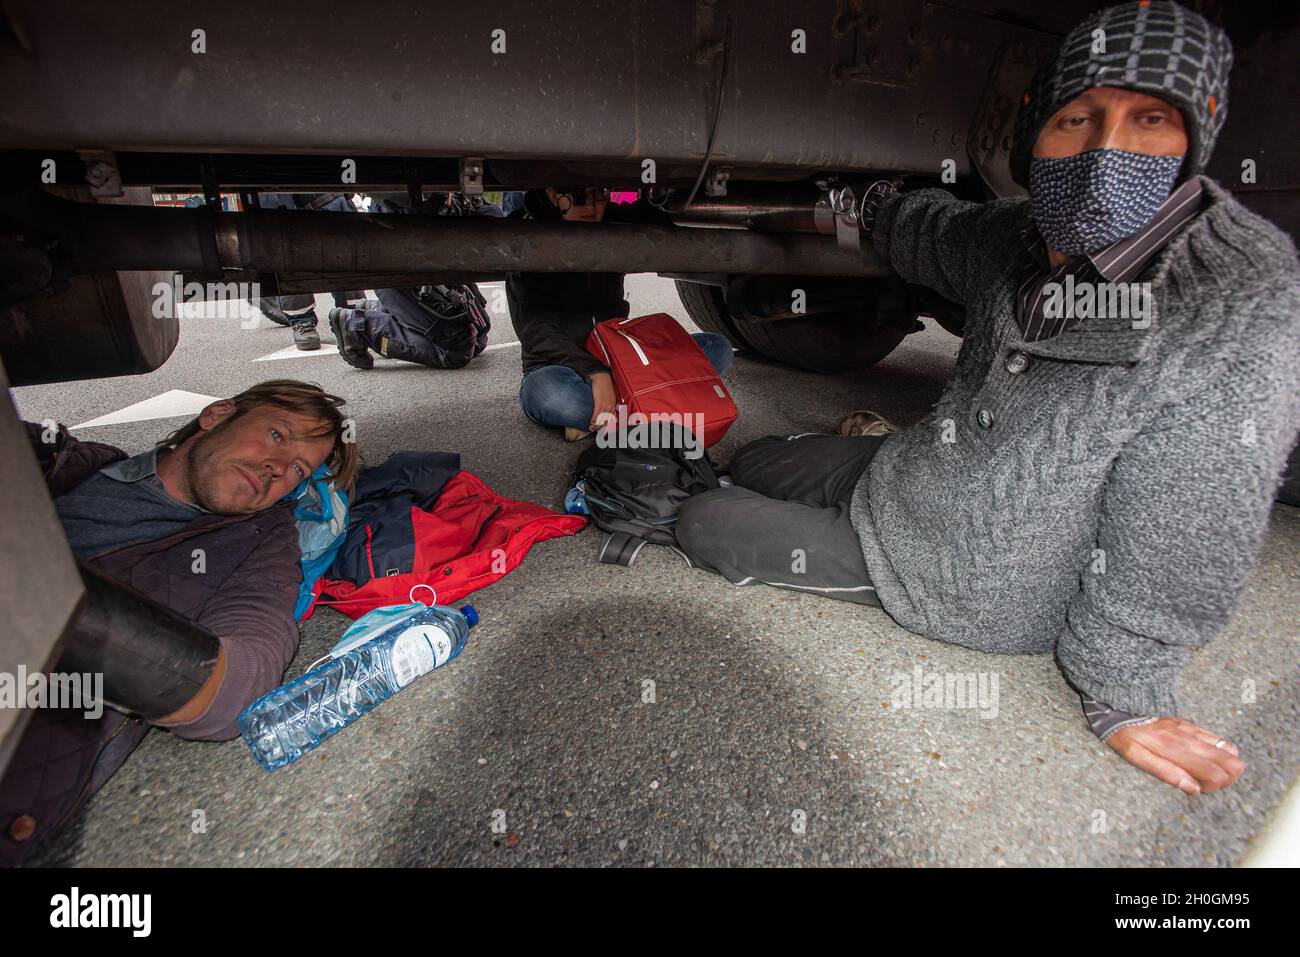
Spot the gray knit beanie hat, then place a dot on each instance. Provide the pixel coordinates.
(1156, 47)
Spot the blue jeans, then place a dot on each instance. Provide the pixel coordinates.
(558, 396)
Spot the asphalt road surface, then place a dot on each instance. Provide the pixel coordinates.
(771, 739)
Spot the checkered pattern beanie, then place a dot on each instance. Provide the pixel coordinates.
(1156, 47)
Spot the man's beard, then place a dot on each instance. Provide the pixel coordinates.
(202, 480)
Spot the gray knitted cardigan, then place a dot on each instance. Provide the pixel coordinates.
(1110, 500)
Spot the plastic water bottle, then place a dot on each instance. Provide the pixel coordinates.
(286, 723)
(575, 500)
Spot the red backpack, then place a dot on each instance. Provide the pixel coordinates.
(658, 370)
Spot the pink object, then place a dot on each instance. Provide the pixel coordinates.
(620, 198)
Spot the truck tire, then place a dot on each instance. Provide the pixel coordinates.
(707, 309)
(827, 344)
(845, 330)
(1288, 492)
(99, 324)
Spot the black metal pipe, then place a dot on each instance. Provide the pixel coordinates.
(289, 283)
(772, 217)
(788, 210)
(92, 237)
(286, 241)
(152, 659)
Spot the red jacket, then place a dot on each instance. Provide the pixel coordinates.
(469, 538)
(246, 598)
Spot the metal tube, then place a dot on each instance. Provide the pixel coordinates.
(288, 242)
(152, 659)
(343, 282)
(784, 212)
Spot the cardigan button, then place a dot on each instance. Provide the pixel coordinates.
(22, 828)
(985, 419)
(1017, 362)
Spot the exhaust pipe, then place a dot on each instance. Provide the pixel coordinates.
(789, 211)
(89, 237)
(153, 660)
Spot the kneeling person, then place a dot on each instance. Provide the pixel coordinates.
(442, 327)
(564, 385)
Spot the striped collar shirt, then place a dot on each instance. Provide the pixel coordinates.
(1120, 262)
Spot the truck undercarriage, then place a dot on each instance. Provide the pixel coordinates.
(754, 126)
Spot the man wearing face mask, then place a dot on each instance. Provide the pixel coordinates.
(1092, 485)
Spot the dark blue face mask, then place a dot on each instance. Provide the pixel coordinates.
(1085, 202)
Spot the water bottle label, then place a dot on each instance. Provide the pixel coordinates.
(419, 650)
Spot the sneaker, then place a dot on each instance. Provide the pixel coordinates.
(352, 351)
(865, 422)
(305, 336)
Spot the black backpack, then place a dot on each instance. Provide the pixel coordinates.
(633, 494)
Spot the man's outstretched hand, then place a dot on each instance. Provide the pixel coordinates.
(1179, 753)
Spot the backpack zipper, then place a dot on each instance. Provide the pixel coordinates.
(640, 353)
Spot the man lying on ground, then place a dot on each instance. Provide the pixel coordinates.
(218, 484)
(1091, 484)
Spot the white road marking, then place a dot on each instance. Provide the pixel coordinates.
(177, 402)
(1278, 843)
(293, 352)
(330, 349)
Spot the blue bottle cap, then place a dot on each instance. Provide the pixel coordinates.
(471, 615)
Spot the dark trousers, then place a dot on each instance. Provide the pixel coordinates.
(415, 337)
(785, 521)
(301, 307)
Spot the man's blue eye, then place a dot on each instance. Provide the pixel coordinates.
(276, 435)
